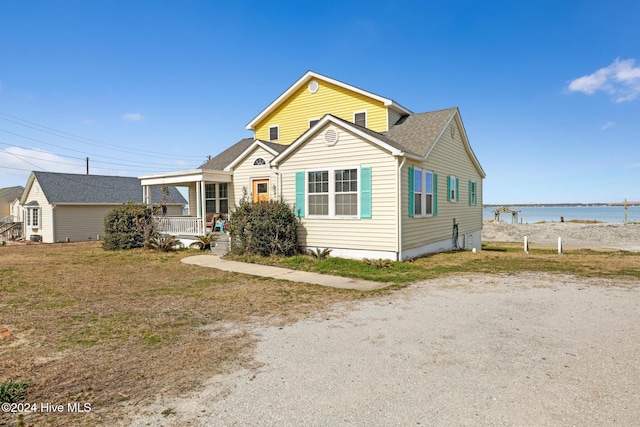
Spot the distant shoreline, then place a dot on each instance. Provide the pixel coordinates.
(558, 205)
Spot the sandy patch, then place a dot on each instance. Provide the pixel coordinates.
(595, 236)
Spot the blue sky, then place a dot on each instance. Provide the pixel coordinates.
(549, 91)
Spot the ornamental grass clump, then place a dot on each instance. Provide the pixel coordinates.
(266, 229)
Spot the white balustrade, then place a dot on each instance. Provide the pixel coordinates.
(181, 225)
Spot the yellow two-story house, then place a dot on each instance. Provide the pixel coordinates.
(367, 177)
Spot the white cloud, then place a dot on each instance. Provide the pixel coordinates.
(621, 80)
(88, 121)
(608, 125)
(133, 117)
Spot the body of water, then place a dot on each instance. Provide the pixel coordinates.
(530, 215)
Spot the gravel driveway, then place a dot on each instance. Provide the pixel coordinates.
(525, 349)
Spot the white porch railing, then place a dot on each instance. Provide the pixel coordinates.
(181, 225)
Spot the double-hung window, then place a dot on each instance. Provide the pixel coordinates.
(473, 193)
(452, 189)
(346, 186)
(422, 192)
(333, 193)
(318, 191)
(217, 197)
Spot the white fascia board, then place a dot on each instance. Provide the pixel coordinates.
(311, 75)
(249, 149)
(186, 177)
(27, 188)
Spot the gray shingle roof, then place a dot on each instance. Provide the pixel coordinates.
(223, 159)
(98, 189)
(418, 132)
(413, 134)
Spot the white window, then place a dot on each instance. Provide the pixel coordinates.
(33, 217)
(217, 197)
(333, 193)
(346, 185)
(417, 192)
(452, 188)
(422, 192)
(274, 133)
(360, 118)
(318, 190)
(473, 197)
(259, 162)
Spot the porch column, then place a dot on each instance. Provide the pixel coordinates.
(198, 201)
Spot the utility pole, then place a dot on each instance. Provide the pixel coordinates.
(87, 166)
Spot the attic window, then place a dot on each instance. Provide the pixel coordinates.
(259, 162)
(360, 119)
(274, 133)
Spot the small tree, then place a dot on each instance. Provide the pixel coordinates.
(128, 226)
(267, 228)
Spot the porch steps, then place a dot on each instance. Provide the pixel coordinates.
(221, 246)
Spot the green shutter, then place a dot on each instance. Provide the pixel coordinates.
(300, 194)
(448, 188)
(365, 192)
(457, 190)
(435, 194)
(411, 196)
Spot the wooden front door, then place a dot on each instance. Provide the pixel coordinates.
(260, 190)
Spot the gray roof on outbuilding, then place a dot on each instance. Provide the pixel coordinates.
(60, 188)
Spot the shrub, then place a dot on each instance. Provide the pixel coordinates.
(128, 226)
(268, 228)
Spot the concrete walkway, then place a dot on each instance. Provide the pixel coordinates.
(214, 261)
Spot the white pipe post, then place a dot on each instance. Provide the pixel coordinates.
(526, 244)
(560, 245)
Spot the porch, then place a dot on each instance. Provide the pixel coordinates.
(209, 192)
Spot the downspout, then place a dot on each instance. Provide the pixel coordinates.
(399, 193)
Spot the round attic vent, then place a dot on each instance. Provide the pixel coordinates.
(313, 86)
(331, 137)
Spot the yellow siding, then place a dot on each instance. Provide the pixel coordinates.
(378, 233)
(245, 171)
(293, 115)
(448, 157)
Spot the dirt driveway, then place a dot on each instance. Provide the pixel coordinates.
(527, 349)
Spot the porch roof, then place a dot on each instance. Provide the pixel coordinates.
(186, 177)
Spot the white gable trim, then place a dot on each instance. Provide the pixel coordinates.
(245, 153)
(312, 75)
(344, 125)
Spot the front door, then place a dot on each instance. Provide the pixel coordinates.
(260, 190)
